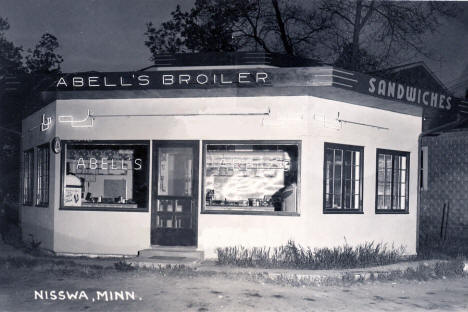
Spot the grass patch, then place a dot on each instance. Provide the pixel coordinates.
(294, 256)
(60, 267)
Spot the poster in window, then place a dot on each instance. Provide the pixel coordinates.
(72, 196)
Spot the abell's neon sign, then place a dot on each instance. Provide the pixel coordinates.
(163, 80)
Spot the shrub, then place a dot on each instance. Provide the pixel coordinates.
(123, 266)
(295, 256)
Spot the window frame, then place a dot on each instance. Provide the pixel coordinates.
(355, 148)
(40, 164)
(393, 153)
(65, 144)
(28, 198)
(296, 213)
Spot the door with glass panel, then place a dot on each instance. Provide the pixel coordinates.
(174, 194)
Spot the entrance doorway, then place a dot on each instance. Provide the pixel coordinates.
(175, 193)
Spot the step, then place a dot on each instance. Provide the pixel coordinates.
(176, 253)
(162, 262)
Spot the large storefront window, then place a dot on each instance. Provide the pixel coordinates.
(251, 177)
(106, 176)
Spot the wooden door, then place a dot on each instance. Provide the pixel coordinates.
(174, 195)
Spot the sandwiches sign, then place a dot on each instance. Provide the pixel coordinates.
(397, 91)
(392, 90)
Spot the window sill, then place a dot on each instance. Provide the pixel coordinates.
(391, 212)
(341, 211)
(42, 205)
(246, 212)
(103, 208)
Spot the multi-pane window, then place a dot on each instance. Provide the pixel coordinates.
(392, 181)
(42, 194)
(28, 176)
(343, 178)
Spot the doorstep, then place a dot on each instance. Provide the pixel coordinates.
(163, 256)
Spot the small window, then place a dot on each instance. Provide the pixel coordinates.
(343, 178)
(392, 181)
(111, 175)
(42, 191)
(251, 177)
(28, 177)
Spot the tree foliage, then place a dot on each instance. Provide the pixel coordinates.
(387, 30)
(243, 25)
(358, 35)
(10, 55)
(43, 58)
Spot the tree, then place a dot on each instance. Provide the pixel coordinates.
(225, 26)
(387, 30)
(44, 59)
(206, 28)
(358, 35)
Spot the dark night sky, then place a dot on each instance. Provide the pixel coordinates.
(108, 35)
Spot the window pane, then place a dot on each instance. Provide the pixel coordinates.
(387, 189)
(357, 158)
(347, 158)
(381, 162)
(328, 200)
(356, 201)
(106, 175)
(42, 188)
(338, 156)
(337, 187)
(388, 175)
(337, 202)
(380, 202)
(175, 171)
(28, 182)
(329, 163)
(396, 202)
(388, 161)
(402, 189)
(387, 201)
(403, 203)
(347, 202)
(403, 162)
(255, 177)
(380, 189)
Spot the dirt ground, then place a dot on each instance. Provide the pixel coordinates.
(158, 292)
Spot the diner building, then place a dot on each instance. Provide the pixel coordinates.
(211, 150)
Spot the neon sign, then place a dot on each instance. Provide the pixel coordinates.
(104, 164)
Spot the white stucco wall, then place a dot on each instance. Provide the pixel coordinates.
(291, 118)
